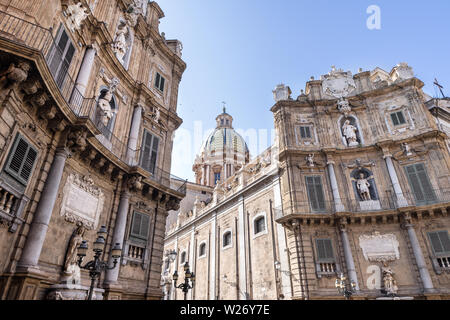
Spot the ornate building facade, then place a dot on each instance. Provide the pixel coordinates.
(365, 186)
(357, 184)
(88, 108)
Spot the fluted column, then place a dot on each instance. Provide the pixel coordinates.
(119, 234)
(134, 134)
(348, 255)
(401, 201)
(38, 229)
(418, 255)
(334, 187)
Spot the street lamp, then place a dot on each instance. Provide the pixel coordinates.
(96, 267)
(185, 287)
(344, 287)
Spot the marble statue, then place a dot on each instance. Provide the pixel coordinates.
(76, 14)
(104, 108)
(349, 131)
(120, 46)
(363, 187)
(71, 268)
(310, 160)
(390, 284)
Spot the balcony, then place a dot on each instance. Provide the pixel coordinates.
(12, 204)
(433, 198)
(36, 39)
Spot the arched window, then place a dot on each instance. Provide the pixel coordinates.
(202, 250)
(226, 239)
(183, 257)
(259, 225)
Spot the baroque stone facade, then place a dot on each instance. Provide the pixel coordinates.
(356, 184)
(374, 203)
(88, 108)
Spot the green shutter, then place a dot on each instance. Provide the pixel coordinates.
(140, 226)
(401, 118)
(420, 184)
(149, 153)
(315, 193)
(158, 78)
(163, 81)
(21, 160)
(440, 242)
(324, 250)
(394, 119)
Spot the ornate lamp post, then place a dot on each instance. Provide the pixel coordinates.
(344, 287)
(185, 287)
(96, 267)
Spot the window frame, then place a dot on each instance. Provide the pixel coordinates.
(428, 198)
(183, 256)
(435, 257)
(332, 262)
(254, 220)
(139, 237)
(202, 244)
(320, 209)
(224, 233)
(160, 80)
(59, 77)
(298, 133)
(145, 136)
(395, 117)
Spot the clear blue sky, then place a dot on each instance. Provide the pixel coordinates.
(238, 50)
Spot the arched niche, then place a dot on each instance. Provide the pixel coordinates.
(113, 103)
(368, 175)
(353, 120)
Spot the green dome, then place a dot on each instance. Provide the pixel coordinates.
(224, 138)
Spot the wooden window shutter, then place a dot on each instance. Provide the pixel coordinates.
(324, 250)
(315, 193)
(420, 184)
(21, 161)
(149, 155)
(440, 242)
(140, 226)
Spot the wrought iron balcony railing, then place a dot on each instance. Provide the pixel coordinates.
(355, 206)
(37, 38)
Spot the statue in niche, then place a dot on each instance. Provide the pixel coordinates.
(71, 268)
(349, 132)
(390, 284)
(120, 46)
(104, 110)
(310, 160)
(363, 187)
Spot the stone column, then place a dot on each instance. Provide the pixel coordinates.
(212, 259)
(334, 187)
(38, 229)
(401, 201)
(242, 251)
(83, 77)
(134, 134)
(418, 255)
(348, 256)
(118, 236)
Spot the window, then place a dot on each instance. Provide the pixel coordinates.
(61, 56)
(216, 177)
(149, 152)
(226, 239)
(140, 227)
(420, 184)
(183, 257)
(315, 193)
(398, 118)
(305, 132)
(202, 250)
(259, 225)
(325, 258)
(159, 82)
(21, 160)
(440, 243)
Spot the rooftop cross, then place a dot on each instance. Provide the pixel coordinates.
(224, 107)
(437, 84)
